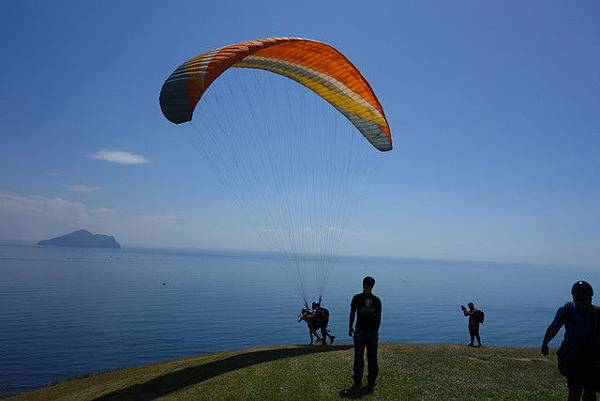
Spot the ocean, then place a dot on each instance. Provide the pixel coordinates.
(67, 311)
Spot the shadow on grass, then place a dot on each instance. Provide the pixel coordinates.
(354, 393)
(174, 381)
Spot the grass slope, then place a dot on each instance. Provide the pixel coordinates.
(407, 372)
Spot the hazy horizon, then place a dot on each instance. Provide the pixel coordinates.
(133, 247)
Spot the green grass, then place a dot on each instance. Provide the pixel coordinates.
(407, 372)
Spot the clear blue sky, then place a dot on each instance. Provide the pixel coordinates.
(494, 110)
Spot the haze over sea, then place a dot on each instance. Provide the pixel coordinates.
(69, 311)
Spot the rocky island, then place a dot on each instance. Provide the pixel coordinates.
(83, 239)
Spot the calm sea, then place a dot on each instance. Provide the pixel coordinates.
(68, 311)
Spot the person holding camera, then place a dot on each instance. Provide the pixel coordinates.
(476, 318)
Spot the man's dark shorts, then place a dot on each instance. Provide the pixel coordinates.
(474, 330)
(584, 376)
(578, 372)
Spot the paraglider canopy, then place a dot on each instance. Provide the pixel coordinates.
(291, 164)
(316, 65)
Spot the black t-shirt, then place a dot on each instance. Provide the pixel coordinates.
(473, 317)
(368, 312)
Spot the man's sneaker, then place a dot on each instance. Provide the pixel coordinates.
(353, 392)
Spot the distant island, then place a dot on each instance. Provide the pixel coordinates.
(83, 239)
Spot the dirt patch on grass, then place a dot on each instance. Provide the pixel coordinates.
(529, 359)
(474, 358)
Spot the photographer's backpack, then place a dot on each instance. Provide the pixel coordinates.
(480, 316)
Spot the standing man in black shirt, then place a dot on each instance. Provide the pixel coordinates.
(367, 308)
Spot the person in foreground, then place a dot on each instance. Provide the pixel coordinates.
(367, 308)
(579, 353)
(475, 319)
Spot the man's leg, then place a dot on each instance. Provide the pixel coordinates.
(372, 358)
(589, 395)
(324, 334)
(359, 358)
(331, 337)
(476, 332)
(472, 334)
(575, 392)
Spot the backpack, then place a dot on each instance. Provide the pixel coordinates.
(479, 316)
(595, 310)
(324, 314)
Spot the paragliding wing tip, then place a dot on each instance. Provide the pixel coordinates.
(385, 148)
(175, 108)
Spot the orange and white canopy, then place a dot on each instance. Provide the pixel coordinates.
(316, 65)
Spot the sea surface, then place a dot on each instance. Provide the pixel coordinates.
(67, 311)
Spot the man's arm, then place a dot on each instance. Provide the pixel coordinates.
(352, 313)
(378, 314)
(554, 328)
(551, 332)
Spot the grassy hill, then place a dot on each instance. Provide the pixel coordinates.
(408, 372)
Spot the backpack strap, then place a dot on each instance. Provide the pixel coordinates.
(596, 322)
(567, 311)
(596, 313)
(596, 332)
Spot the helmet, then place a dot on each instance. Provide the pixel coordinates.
(582, 289)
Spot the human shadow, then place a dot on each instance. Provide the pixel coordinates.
(354, 393)
(182, 378)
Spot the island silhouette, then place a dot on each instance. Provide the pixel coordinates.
(83, 239)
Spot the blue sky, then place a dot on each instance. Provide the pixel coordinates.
(493, 109)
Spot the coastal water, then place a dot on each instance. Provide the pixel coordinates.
(66, 312)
